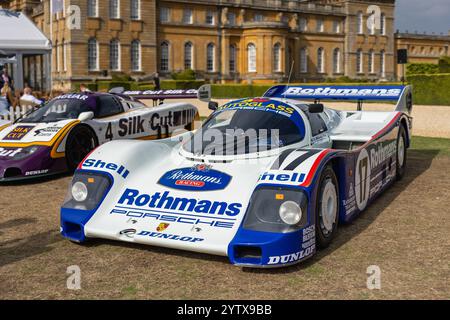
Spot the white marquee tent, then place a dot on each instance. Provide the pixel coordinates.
(26, 49)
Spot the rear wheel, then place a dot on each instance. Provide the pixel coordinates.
(79, 143)
(327, 208)
(401, 153)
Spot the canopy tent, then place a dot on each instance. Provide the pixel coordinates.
(21, 40)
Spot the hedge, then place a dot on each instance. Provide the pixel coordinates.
(431, 89)
(421, 68)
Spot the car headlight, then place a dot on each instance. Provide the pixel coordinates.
(25, 152)
(277, 210)
(79, 191)
(290, 213)
(87, 190)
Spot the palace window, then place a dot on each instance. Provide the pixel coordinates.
(114, 9)
(303, 24)
(383, 24)
(210, 55)
(114, 55)
(164, 14)
(371, 61)
(259, 17)
(319, 26)
(92, 8)
(360, 22)
(359, 61)
(164, 57)
(336, 60)
(187, 16)
(135, 55)
(135, 9)
(320, 60)
(277, 58)
(210, 17)
(64, 55)
(251, 52)
(57, 55)
(231, 16)
(232, 58)
(382, 64)
(92, 54)
(188, 48)
(336, 26)
(303, 60)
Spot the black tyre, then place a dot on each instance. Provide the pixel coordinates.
(79, 143)
(401, 153)
(327, 208)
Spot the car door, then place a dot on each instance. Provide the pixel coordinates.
(320, 137)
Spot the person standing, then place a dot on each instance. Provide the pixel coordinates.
(6, 98)
(7, 79)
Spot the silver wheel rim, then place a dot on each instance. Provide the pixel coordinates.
(329, 207)
(401, 152)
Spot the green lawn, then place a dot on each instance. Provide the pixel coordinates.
(439, 145)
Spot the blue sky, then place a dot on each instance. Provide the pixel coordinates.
(423, 15)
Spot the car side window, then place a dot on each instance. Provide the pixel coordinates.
(108, 106)
(318, 126)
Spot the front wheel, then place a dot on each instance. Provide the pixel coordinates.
(79, 143)
(327, 208)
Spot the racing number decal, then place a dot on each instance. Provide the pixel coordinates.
(362, 179)
(109, 134)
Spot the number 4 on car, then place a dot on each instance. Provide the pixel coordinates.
(265, 181)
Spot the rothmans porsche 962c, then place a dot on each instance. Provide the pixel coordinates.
(56, 137)
(265, 181)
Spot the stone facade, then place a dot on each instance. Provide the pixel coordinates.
(242, 41)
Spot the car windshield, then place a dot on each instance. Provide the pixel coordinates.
(57, 110)
(233, 132)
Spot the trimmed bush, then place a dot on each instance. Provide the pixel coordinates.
(236, 91)
(181, 84)
(421, 68)
(184, 75)
(431, 89)
(105, 86)
(444, 65)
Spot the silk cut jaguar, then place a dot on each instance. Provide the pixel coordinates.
(265, 181)
(57, 136)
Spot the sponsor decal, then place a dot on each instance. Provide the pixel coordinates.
(382, 152)
(308, 248)
(72, 96)
(131, 126)
(128, 232)
(18, 133)
(7, 152)
(350, 92)
(283, 177)
(162, 226)
(99, 164)
(169, 236)
(158, 200)
(292, 257)
(263, 104)
(135, 214)
(198, 178)
(36, 172)
(47, 132)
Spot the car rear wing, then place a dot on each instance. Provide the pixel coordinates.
(203, 93)
(402, 95)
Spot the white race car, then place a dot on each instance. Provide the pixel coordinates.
(56, 137)
(265, 181)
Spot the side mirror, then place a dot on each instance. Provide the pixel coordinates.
(85, 116)
(212, 105)
(204, 93)
(316, 108)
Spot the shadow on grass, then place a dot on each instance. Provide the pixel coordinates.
(19, 249)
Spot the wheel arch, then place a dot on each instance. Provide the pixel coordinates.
(404, 124)
(85, 125)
